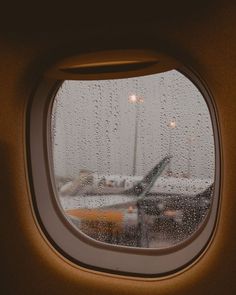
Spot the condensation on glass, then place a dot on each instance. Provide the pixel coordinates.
(133, 159)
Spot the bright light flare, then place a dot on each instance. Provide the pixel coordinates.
(172, 124)
(134, 99)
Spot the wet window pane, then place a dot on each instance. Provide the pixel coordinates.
(134, 159)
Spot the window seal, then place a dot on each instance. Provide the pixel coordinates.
(52, 220)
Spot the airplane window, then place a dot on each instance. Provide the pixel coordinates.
(133, 159)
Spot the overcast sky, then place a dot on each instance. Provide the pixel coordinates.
(93, 126)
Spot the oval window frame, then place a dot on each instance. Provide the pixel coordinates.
(65, 238)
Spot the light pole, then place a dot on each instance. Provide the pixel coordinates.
(190, 141)
(171, 125)
(136, 101)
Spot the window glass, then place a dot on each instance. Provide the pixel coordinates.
(133, 159)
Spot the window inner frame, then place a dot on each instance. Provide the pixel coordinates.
(78, 247)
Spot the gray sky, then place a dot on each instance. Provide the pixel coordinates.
(94, 126)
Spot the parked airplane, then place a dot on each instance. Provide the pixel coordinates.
(123, 211)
